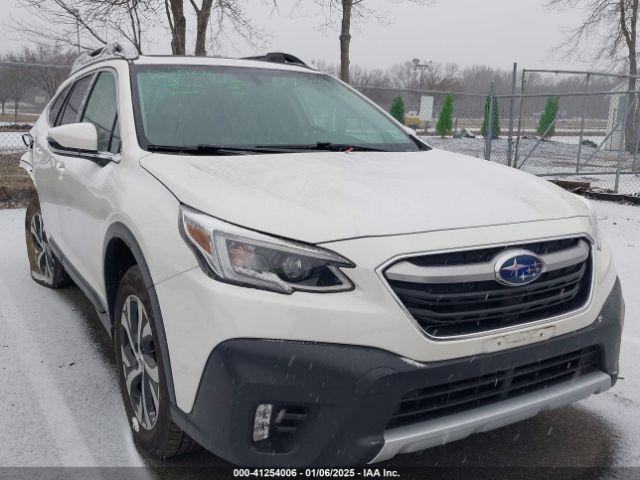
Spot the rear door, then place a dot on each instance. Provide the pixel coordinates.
(44, 166)
(49, 168)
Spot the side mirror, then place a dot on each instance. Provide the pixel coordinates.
(27, 139)
(78, 140)
(74, 137)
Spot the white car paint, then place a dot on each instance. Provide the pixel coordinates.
(77, 135)
(324, 196)
(368, 207)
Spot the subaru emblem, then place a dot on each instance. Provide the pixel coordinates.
(518, 267)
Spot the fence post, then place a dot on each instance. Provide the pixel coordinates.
(637, 146)
(489, 132)
(511, 105)
(623, 138)
(584, 112)
(517, 152)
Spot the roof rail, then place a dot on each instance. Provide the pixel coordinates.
(125, 50)
(279, 57)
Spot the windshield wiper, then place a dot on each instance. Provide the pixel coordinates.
(209, 149)
(328, 146)
(212, 149)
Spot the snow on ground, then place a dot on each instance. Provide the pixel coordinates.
(61, 404)
(620, 226)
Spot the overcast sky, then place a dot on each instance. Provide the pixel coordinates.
(495, 32)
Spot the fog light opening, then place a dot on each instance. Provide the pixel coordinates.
(262, 422)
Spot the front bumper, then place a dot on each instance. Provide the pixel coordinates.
(350, 392)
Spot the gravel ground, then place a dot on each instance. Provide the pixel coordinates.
(61, 405)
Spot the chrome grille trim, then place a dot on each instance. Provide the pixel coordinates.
(405, 271)
(381, 270)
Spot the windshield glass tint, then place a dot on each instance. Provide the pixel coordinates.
(234, 106)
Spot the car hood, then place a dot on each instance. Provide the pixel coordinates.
(326, 196)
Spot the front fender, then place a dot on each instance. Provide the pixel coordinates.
(26, 163)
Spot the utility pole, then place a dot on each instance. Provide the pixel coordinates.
(421, 67)
(76, 15)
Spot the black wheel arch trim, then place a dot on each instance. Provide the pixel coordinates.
(121, 232)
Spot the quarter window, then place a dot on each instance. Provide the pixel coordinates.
(101, 111)
(56, 106)
(73, 108)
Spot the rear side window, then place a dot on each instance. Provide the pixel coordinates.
(73, 107)
(54, 110)
(101, 111)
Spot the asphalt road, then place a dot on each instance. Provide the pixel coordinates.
(60, 405)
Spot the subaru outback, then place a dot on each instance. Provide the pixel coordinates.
(291, 277)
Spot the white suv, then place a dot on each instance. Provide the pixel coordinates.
(293, 278)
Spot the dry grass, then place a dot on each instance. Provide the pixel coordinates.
(22, 117)
(15, 184)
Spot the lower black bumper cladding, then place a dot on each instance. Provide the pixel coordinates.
(342, 398)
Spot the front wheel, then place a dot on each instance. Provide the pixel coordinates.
(141, 371)
(45, 268)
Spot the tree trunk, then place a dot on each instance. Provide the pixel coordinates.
(345, 39)
(202, 23)
(630, 36)
(178, 26)
(631, 125)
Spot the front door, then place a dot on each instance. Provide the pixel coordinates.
(85, 208)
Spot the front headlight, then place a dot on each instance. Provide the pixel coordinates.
(593, 220)
(236, 255)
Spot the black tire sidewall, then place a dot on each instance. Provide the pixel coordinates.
(156, 439)
(59, 277)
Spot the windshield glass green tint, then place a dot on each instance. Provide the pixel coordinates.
(234, 106)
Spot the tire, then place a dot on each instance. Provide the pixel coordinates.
(146, 400)
(45, 268)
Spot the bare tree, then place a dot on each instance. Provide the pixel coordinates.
(436, 76)
(4, 88)
(203, 14)
(614, 23)
(345, 36)
(16, 82)
(231, 19)
(84, 23)
(345, 13)
(174, 10)
(55, 66)
(215, 20)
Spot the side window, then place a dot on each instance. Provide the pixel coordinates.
(54, 110)
(101, 110)
(73, 108)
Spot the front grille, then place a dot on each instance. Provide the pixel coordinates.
(446, 399)
(450, 308)
(480, 255)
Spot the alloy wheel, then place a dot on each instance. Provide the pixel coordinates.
(42, 247)
(139, 362)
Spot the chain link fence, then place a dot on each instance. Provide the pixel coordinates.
(582, 127)
(591, 137)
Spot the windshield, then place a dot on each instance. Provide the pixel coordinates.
(213, 107)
